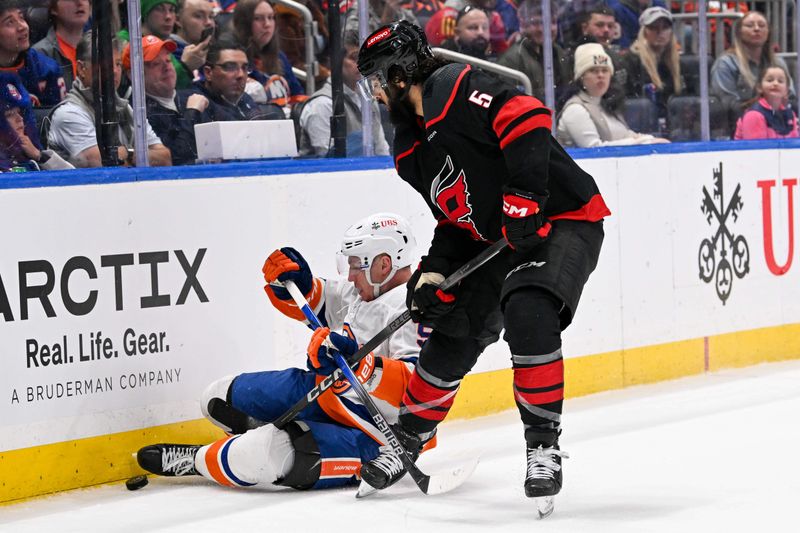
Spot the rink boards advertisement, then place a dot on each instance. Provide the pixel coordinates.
(120, 302)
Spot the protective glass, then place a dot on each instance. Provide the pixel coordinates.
(349, 264)
(371, 86)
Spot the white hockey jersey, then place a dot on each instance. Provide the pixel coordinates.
(341, 306)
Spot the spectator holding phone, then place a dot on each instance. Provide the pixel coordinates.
(195, 30)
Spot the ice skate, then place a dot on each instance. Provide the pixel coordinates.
(169, 459)
(387, 468)
(543, 477)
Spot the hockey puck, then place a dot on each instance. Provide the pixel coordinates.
(136, 482)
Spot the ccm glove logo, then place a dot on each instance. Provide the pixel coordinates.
(519, 207)
(481, 99)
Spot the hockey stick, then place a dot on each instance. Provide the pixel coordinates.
(466, 269)
(226, 414)
(435, 484)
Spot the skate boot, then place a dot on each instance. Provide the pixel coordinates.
(543, 477)
(387, 468)
(169, 459)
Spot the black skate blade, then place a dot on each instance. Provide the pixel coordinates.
(545, 505)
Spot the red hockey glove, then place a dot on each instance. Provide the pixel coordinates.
(524, 224)
(425, 299)
(284, 265)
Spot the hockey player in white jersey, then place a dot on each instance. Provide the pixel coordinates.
(330, 439)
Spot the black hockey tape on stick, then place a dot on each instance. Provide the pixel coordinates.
(466, 269)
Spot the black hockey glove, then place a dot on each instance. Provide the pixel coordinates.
(524, 223)
(425, 299)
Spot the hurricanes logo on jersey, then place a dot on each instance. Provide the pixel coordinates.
(449, 192)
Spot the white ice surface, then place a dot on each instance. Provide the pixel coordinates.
(718, 452)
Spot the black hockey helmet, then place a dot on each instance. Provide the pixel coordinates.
(392, 52)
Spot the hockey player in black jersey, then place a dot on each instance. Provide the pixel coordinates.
(481, 154)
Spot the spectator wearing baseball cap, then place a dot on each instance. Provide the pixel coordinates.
(627, 14)
(593, 116)
(72, 124)
(170, 120)
(653, 64)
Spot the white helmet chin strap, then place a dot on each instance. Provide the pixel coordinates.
(376, 287)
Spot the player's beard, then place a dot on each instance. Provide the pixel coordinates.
(401, 111)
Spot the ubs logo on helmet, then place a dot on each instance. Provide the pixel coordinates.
(379, 37)
(385, 223)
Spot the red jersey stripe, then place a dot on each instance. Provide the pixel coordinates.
(530, 124)
(513, 109)
(449, 100)
(593, 210)
(404, 154)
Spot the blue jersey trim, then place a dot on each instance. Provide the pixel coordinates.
(65, 178)
(226, 466)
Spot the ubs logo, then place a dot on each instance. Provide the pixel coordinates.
(724, 254)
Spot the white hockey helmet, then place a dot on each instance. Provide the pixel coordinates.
(378, 234)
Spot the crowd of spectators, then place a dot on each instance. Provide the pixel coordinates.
(620, 75)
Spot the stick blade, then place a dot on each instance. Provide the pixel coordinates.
(441, 482)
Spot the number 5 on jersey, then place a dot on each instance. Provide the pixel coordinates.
(481, 99)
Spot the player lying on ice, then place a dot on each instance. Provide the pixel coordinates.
(329, 440)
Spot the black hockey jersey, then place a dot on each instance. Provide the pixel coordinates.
(480, 135)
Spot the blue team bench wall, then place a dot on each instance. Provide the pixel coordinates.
(13, 180)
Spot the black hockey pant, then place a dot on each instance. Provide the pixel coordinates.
(531, 318)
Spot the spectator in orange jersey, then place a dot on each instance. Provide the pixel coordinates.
(68, 19)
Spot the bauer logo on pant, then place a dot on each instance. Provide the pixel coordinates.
(724, 254)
